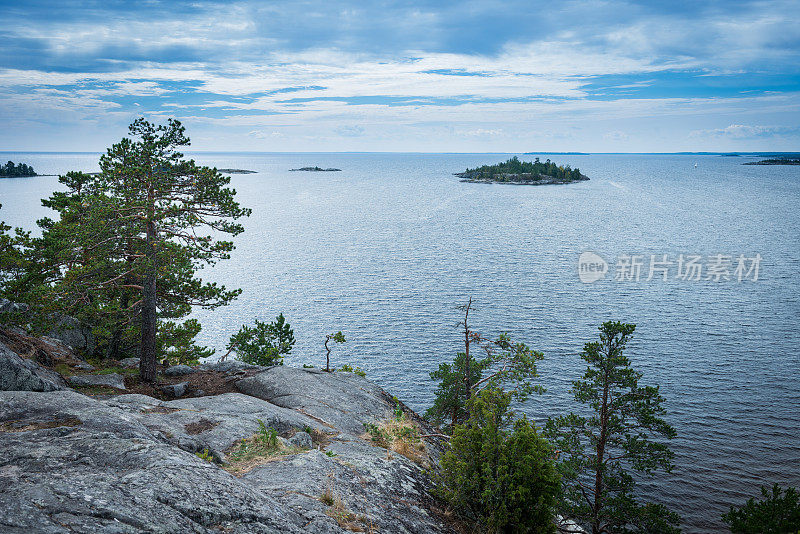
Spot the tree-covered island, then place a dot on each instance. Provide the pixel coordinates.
(19, 170)
(515, 171)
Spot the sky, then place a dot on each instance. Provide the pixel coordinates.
(425, 76)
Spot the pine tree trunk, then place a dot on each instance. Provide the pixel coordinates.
(147, 355)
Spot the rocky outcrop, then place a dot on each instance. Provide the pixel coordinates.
(321, 395)
(69, 331)
(6, 306)
(110, 380)
(22, 374)
(65, 329)
(126, 463)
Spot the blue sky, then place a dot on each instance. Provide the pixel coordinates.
(475, 75)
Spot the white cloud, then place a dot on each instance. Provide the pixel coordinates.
(743, 131)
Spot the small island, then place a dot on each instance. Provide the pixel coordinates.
(775, 161)
(519, 172)
(236, 171)
(315, 169)
(20, 170)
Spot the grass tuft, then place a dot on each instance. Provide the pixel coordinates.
(400, 435)
(261, 448)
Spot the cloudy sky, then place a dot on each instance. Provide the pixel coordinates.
(438, 76)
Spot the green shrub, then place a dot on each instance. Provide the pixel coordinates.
(499, 471)
(379, 435)
(773, 514)
(267, 436)
(347, 368)
(205, 455)
(263, 344)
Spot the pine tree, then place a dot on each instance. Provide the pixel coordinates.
(129, 241)
(623, 434)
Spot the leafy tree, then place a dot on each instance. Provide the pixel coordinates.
(503, 363)
(336, 337)
(777, 512)
(129, 241)
(600, 451)
(263, 344)
(499, 471)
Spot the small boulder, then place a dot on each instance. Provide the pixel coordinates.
(22, 374)
(231, 367)
(179, 370)
(6, 306)
(175, 390)
(301, 439)
(111, 380)
(129, 363)
(83, 366)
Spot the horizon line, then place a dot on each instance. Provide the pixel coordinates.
(527, 153)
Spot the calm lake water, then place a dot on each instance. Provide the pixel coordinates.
(388, 248)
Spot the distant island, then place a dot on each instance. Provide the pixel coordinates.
(519, 172)
(236, 171)
(775, 161)
(10, 170)
(315, 169)
(558, 153)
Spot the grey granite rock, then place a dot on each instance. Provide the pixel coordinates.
(174, 391)
(82, 466)
(179, 370)
(124, 464)
(214, 423)
(129, 363)
(231, 367)
(22, 374)
(6, 306)
(343, 400)
(301, 439)
(69, 331)
(111, 380)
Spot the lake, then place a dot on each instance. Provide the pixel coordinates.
(388, 248)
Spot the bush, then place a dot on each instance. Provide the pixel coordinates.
(347, 368)
(265, 343)
(774, 514)
(498, 471)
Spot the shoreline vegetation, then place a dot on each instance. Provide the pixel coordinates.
(19, 170)
(236, 171)
(775, 161)
(315, 169)
(516, 172)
